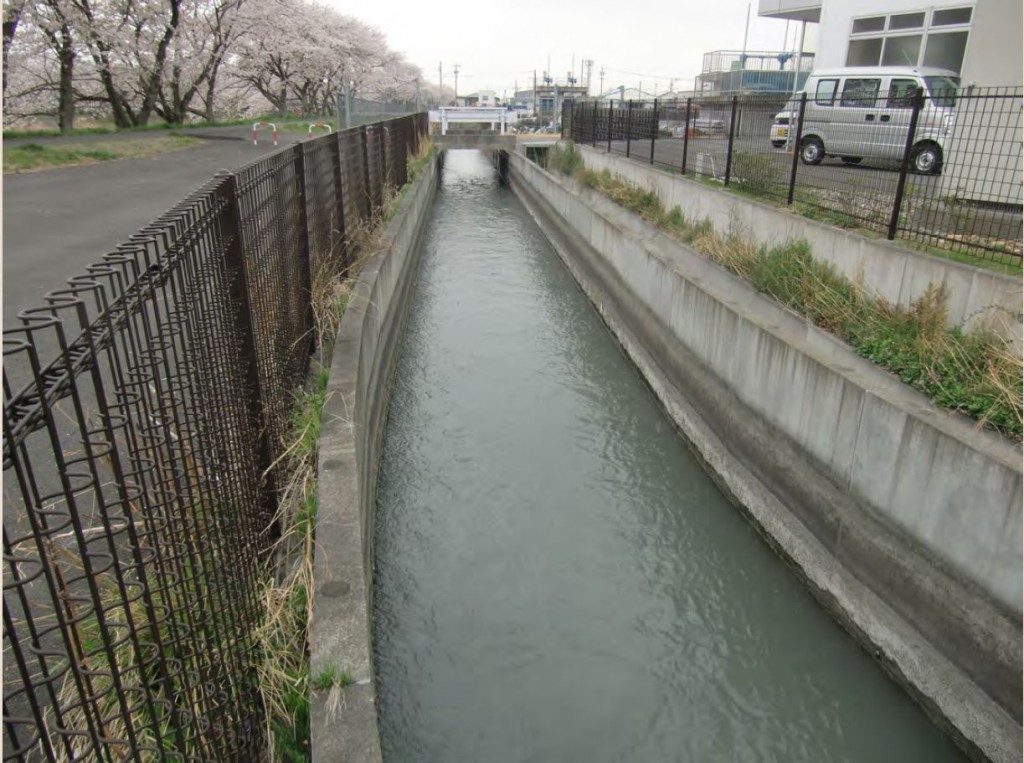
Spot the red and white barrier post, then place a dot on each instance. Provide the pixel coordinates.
(256, 126)
(319, 126)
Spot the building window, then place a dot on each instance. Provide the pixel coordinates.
(951, 17)
(873, 24)
(901, 51)
(864, 52)
(946, 51)
(906, 21)
(883, 40)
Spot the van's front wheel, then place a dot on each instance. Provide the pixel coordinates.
(812, 151)
(926, 158)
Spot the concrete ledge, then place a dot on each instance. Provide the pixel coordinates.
(350, 441)
(895, 273)
(904, 521)
(484, 141)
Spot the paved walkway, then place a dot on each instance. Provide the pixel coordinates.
(57, 221)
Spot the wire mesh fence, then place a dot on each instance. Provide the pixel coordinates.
(144, 410)
(941, 170)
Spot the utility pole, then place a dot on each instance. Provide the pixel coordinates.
(416, 82)
(602, 81)
(456, 84)
(534, 93)
(746, 34)
(440, 85)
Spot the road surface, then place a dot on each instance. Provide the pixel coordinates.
(57, 221)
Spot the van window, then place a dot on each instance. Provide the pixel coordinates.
(943, 90)
(825, 95)
(901, 93)
(860, 93)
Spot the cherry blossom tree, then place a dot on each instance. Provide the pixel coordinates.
(173, 59)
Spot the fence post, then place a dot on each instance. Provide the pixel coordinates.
(732, 135)
(238, 286)
(686, 136)
(897, 203)
(654, 130)
(796, 146)
(595, 121)
(305, 255)
(363, 140)
(629, 126)
(339, 201)
(611, 122)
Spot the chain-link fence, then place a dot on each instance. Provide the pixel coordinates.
(144, 413)
(942, 171)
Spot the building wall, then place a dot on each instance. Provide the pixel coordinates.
(993, 60)
(994, 53)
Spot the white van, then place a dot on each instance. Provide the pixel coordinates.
(864, 112)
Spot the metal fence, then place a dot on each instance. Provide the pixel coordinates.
(942, 172)
(144, 411)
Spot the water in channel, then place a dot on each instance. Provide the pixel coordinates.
(557, 577)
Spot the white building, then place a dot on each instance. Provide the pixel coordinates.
(982, 40)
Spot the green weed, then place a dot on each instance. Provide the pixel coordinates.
(976, 374)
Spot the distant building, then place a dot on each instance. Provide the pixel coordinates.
(546, 101)
(753, 71)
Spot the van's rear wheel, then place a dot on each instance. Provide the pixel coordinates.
(852, 159)
(812, 151)
(926, 158)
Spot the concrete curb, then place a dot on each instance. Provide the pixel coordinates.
(344, 727)
(938, 634)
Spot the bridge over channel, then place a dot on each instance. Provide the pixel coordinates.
(478, 127)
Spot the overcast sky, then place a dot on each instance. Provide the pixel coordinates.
(499, 42)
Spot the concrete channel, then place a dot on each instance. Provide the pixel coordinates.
(551, 571)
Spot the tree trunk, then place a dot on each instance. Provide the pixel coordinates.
(10, 27)
(66, 95)
(211, 87)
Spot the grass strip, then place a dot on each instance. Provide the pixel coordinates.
(35, 156)
(976, 373)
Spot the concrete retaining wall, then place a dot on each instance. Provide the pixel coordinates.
(893, 272)
(904, 520)
(345, 728)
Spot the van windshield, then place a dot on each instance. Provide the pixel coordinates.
(943, 90)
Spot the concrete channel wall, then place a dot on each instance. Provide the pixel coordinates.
(895, 273)
(344, 726)
(904, 521)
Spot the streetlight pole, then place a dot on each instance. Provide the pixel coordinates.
(456, 84)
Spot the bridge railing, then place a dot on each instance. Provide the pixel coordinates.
(145, 406)
(497, 116)
(947, 184)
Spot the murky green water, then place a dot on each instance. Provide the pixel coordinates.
(557, 578)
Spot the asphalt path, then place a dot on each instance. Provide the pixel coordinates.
(57, 221)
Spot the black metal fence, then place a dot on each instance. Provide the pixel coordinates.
(941, 171)
(144, 412)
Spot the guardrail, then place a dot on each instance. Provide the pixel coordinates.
(257, 126)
